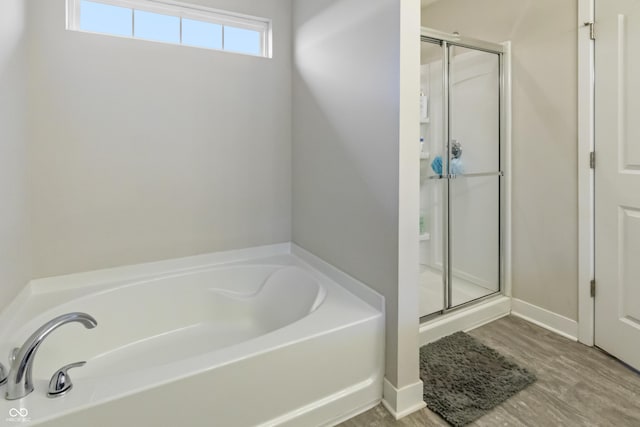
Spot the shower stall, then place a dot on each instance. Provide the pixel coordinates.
(462, 164)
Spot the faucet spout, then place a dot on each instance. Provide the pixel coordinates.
(19, 382)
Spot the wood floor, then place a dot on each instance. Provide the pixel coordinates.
(577, 385)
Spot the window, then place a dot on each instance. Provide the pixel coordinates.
(201, 34)
(154, 26)
(170, 22)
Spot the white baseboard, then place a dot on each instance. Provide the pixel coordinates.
(465, 319)
(404, 401)
(544, 318)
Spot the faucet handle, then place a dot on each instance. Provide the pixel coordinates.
(4, 375)
(13, 355)
(61, 381)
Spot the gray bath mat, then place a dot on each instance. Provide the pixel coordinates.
(464, 379)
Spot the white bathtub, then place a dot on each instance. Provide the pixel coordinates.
(241, 338)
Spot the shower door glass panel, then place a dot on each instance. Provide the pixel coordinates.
(432, 229)
(474, 175)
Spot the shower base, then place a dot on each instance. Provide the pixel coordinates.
(432, 291)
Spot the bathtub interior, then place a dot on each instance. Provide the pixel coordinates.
(147, 323)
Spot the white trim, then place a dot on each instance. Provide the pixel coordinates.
(404, 401)
(556, 323)
(73, 14)
(465, 319)
(586, 196)
(406, 313)
(184, 10)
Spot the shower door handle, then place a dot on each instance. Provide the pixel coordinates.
(467, 175)
(473, 175)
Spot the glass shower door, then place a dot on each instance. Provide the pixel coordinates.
(474, 181)
(460, 173)
(432, 184)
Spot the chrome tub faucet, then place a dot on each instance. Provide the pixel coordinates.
(19, 381)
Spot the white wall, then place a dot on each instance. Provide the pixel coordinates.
(143, 151)
(348, 142)
(14, 224)
(544, 181)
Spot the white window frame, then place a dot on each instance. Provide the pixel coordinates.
(187, 11)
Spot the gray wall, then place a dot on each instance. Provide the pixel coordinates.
(346, 147)
(15, 257)
(143, 151)
(545, 198)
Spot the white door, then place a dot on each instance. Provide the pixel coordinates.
(617, 301)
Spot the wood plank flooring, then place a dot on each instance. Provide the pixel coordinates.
(577, 385)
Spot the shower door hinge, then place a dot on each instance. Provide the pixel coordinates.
(592, 30)
(592, 160)
(593, 288)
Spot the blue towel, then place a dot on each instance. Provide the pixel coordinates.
(436, 165)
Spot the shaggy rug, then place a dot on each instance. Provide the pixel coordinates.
(464, 379)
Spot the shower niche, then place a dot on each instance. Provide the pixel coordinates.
(461, 178)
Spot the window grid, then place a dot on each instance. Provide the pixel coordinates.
(181, 11)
